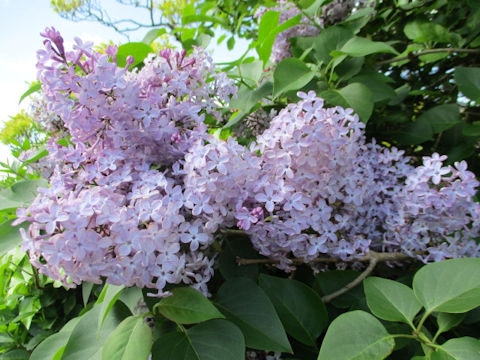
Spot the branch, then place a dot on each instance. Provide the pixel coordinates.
(373, 259)
(429, 51)
(380, 257)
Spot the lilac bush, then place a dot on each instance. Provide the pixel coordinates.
(139, 195)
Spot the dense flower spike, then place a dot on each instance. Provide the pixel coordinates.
(318, 189)
(117, 207)
(140, 192)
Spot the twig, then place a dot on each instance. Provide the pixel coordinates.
(372, 263)
(380, 257)
(429, 51)
(372, 257)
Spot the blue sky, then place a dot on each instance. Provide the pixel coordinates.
(21, 22)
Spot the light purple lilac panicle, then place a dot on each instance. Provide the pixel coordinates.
(138, 196)
(117, 207)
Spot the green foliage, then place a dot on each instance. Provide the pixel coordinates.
(448, 287)
(247, 306)
(132, 339)
(187, 306)
(18, 129)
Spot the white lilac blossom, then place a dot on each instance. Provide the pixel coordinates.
(117, 208)
(140, 193)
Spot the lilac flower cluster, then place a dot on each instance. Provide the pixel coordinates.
(318, 189)
(116, 207)
(140, 193)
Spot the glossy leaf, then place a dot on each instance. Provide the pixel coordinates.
(421, 31)
(248, 98)
(85, 341)
(211, 340)
(464, 348)
(86, 291)
(247, 306)
(358, 46)
(431, 122)
(290, 74)
(269, 29)
(301, 310)
(22, 193)
(233, 248)
(54, 343)
(10, 236)
(356, 96)
(356, 335)
(449, 286)
(378, 84)
(131, 340)
(446, 321)
(107, 299)
(138, 50)
(152, 35)
(328, 282)
(468, 81)
(34, 87)
(187, 306)
(330, 39)
(391, 300)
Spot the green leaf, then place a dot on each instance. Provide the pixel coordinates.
(22, 193)
(358, 46)
(468, 82)
(330, 39)
(86, 291)
(290, 74)
(431, 122)
(356, 335)
(131, 340)
(472, 129)
(464, 348)
(138, 50)
(391, 300)
(448, 321)
(449, 286)
(130, 297)
(301, 310)
(230, 43)
(247, 306)
(52, 344)
(356, 96)
(422, 31)
(34, 87)
(269, 29)
(152, 35)
(211, 340)
(248, 98)
(108, 297)
(187, 306)
(328, 282)
(10, 236)
(233, 248)
(378, 85)
(84, 341)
